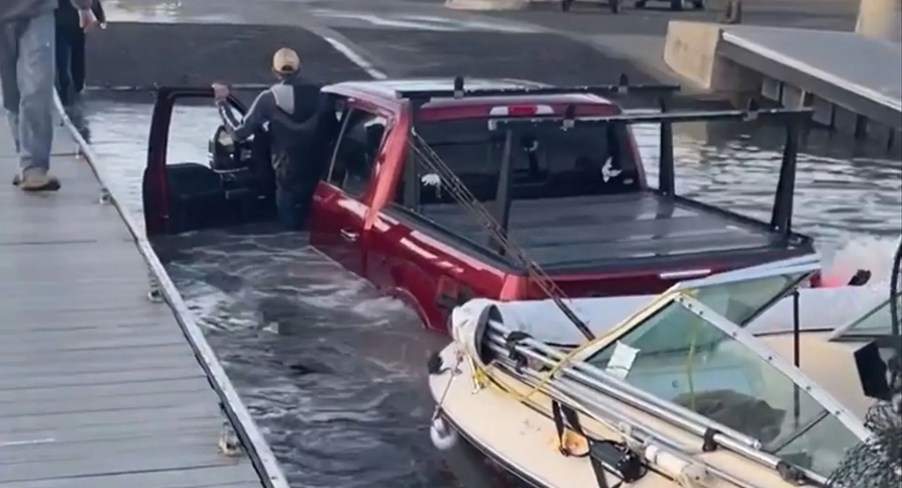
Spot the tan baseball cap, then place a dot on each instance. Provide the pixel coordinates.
(285, 61)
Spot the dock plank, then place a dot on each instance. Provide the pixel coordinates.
(224, 476)
(99, 386)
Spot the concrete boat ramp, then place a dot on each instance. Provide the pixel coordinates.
(101, 383)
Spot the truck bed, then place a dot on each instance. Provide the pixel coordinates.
(605, 230)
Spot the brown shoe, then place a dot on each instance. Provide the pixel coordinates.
(38, 180)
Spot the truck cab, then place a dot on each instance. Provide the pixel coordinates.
(573, 197)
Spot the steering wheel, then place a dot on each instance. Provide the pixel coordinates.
(227, 154)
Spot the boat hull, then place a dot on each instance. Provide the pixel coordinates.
(475, 467)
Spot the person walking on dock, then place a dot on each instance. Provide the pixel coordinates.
(27, 75)
(70, 49)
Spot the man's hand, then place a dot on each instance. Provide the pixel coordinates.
(220, 92)
(87, 20)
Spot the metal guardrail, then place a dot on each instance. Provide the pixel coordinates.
(252, 440)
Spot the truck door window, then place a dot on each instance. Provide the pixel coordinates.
(358, 147)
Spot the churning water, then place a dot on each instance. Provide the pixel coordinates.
(335, 372)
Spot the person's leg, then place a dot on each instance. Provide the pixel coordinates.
(77, 61)
(64, 60)
(287, 209)
(36, 65)
(9, 84)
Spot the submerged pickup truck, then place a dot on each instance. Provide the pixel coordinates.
(557, 166)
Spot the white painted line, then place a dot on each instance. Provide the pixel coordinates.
(356, 58)
(29, 442)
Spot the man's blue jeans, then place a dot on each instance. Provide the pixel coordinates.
(27, 50)
(292, 208)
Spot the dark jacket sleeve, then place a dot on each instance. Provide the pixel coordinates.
(260, 113)
(97, 8)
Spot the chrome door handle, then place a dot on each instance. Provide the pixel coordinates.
(349, 236)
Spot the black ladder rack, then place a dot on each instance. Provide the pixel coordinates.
(622, 87)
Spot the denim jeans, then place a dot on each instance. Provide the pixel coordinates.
(70, 62)
(292, 208)
(27, 49)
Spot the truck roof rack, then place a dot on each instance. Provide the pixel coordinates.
(794, 120)
(751, 113)
(622, 87)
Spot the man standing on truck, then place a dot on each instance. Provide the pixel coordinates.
(294, 127)
(27, 42)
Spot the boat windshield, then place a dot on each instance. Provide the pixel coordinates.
(680, 356)
(741, 300)
(877, 322)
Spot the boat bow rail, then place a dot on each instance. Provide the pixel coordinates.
(576, 377)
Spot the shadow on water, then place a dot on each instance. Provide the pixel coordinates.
(334, 372)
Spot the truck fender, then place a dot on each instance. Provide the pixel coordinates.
(410, 279)
(411, 301)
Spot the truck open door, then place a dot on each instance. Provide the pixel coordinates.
(186, 195)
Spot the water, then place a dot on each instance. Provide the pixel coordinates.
(335, 373)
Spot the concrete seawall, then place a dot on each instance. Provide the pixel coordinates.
(690, 50)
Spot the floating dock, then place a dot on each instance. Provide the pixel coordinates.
(105, 379)
(852, 82)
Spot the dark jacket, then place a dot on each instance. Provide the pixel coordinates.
(67, 15)
(27, 9)
(298, 117)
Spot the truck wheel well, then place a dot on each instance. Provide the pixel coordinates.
(411, 301)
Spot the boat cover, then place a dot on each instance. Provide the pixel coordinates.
(819, 309)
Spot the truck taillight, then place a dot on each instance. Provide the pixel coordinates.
(520, 110)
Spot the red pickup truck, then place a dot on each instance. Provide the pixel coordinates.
(558, 167)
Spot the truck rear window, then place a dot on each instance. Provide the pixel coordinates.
(546, 162)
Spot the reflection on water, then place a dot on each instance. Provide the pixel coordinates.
(334, 372)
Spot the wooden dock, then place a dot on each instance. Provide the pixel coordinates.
(101, 386)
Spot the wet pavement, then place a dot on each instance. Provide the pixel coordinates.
(334, 372)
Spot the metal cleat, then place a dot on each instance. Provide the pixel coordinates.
(105, 196)
(228, 440)
(155, 295)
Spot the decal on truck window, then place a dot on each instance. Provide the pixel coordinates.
(608, 171)
(432, 180)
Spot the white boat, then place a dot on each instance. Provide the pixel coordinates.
(728, 381)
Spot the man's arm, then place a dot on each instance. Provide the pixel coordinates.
(97, 8)
(82, 4)
(259, 113)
